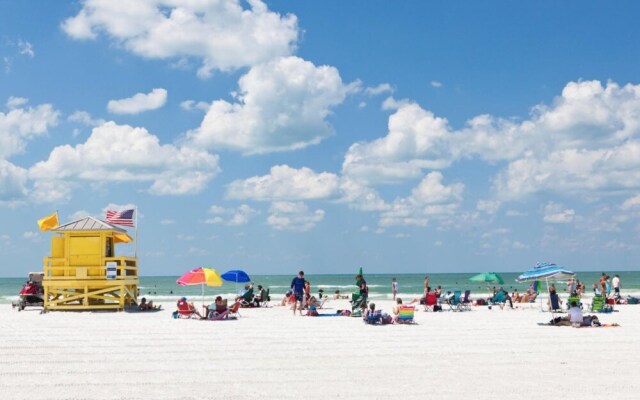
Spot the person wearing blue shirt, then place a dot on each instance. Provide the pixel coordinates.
(297, 285)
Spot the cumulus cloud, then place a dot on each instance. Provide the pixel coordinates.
(488, 206)
(13, 183)
(379, 89)
(285, 183)
(555, 213)
(21, 124)
(25, 48)
(585, 141)
(231, 216)
(191, 105)
(436, 84)
(84, 118)
(222, 34)
(430, 198)
(631, 202)
(139, 102)
(121, 153)
(281, 105)
(293, 216)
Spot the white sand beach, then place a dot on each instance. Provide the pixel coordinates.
(269, 354)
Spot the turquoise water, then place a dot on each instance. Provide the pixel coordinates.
(164, 288)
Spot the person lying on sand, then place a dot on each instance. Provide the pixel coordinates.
(144, 306)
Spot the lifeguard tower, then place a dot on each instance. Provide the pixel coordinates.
(83, 272)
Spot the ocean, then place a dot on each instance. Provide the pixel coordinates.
(164, 288)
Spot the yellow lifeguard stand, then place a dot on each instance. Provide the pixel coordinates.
(83, 272)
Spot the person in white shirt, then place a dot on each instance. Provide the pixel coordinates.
(575, 314)
(615, 282)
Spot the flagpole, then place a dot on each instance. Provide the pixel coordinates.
(136, 248)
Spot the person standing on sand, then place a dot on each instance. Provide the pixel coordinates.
(297, 286)
(615, 283)
(364, 289)
(394, 287)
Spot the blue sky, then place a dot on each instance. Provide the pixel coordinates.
(400, 136)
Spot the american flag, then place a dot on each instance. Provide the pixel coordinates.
(124, 218)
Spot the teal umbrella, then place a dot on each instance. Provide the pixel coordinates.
(487, 277)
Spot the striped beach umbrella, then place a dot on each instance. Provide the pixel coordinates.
(200, 276)
(545, 271)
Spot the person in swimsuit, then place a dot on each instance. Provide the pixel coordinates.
(297, 286)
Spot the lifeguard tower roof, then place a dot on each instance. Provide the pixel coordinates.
(88, 224)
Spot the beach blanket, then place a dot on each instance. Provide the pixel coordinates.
(614, 325)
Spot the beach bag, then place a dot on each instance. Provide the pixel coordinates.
(175, 314)
(633, 300)
(386, 319)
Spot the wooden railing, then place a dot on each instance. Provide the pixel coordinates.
(126, 267)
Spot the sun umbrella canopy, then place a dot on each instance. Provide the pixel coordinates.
(545, 271)
(236, 276)
(200, 276)
(487, 277)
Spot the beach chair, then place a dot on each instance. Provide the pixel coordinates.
(246, 300)
(185, 310)
(599, 305)
(466, 301)
(357, 302)
(498, 299)
(375, 318)
(571, 298)
(431, 302)
(455, 301)
(555, 303)
(234, 311)
(265, 298)
(405, 315)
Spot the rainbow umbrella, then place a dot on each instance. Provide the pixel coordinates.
(200, 276)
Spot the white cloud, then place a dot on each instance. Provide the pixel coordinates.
(191, 105)
(360, 197)
(519, 245)
(19, 125)
(15, 102)
(79, 215)
(293, 216)
(557, 214)
(121, 153)
(438, 243)
(631, 202)
(31, 235)
(430, 198)
(436, 84)
(139, 102)
(281, 105)
(13, 183)
(285, 183)
(231, 216)
(585, 142)
(416, 141)
(26, 49)
(222, 34)
(84, 118)
(167, 222)
(488, 206)
(379, 89)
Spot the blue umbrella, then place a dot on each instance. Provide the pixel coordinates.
(237, 276)
(545, 271)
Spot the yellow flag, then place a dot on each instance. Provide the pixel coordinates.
(48, 222)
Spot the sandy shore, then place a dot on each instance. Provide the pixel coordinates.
(269, 354)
